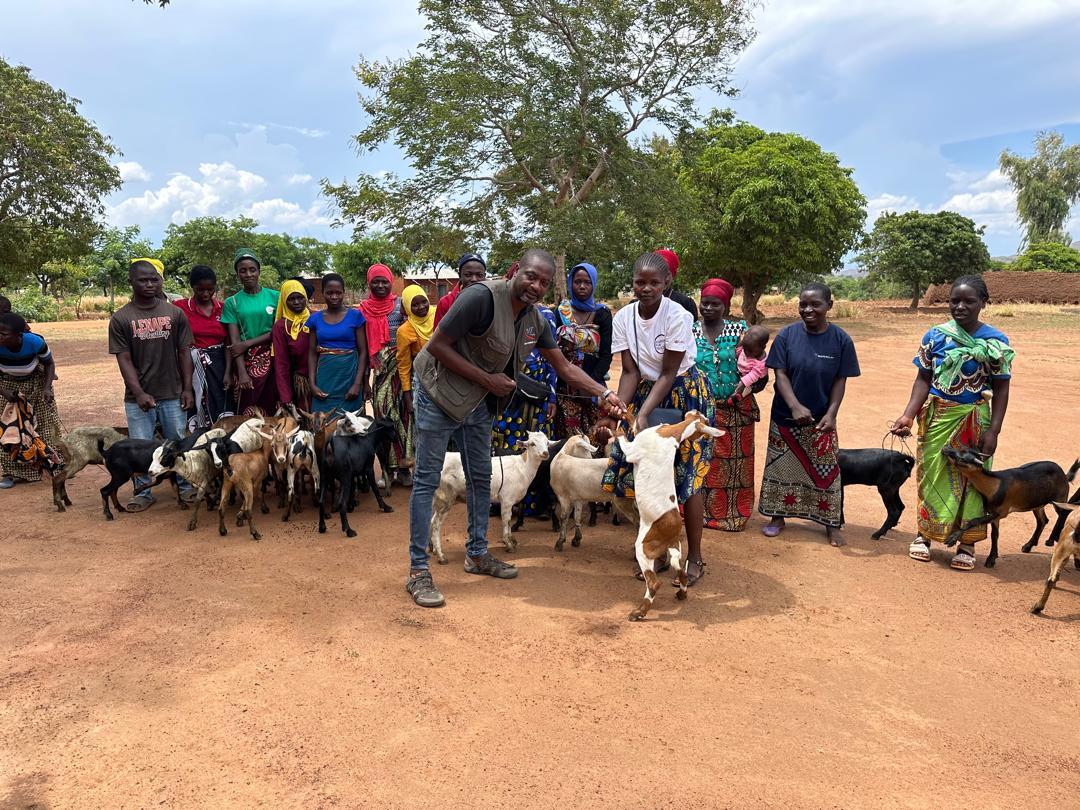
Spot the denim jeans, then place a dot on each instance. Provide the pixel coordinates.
(173, 421)
(473, 438)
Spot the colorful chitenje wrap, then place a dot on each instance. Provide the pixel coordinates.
(20, 440)
(387, 400)
(945, 423)
(802, 475)
(729, 484)
(577, 341)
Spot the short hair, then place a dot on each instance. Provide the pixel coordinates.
(200, 273)
(141, 265)
(309, 288)
(13, 322)
(5, 303)
(976, 283)
(329, 277)
(652, 261)
(818, 287)
(538, 255)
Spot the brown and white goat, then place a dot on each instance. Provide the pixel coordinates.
(1027, 488)
(660, 527)
(244, 472)
(1068, 545)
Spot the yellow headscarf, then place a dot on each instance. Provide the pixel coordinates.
(293, 322)
(423, 326)
(155, 262)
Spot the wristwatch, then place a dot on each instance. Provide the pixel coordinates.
(607, 393)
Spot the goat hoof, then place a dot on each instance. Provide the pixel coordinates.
(1026, 548)
(387, 508)
(442, 560)
(1037, 609)
(576, 541)
(191, 527)
(636, 616)
(256, 537)
(222, 531)
(264, 509)
(990, 562)
(322, 530)
(109, 517)
(350, 533)
(680, 594)
(67, 501)
(878, 535)
(60, 508)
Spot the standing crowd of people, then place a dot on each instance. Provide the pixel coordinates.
(488, 363)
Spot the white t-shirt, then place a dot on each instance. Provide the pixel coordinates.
(669, 329)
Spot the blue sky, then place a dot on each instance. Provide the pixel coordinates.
(240, 106)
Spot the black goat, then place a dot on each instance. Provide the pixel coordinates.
(1064, 515)
(124, 459)
(1028, 488)
(349, 459)
(885, 469)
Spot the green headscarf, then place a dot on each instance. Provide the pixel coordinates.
(245, 253)
(989, 352)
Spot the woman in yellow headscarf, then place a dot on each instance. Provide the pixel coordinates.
(289, 338)
(412, 336)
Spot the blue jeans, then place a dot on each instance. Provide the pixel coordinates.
(173, 421)
(473, 438)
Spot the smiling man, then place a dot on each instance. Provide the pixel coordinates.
(474, 357)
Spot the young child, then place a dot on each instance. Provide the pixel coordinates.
(750, 357)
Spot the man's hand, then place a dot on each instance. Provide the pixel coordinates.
(500, 385)
(145, 401)
(228, 380)
(48, 393)
(187, 399)
(613, 405)
(9, 395)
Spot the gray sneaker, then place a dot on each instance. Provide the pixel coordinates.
(490, 566)
(421, 587)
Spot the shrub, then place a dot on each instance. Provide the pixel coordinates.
(34, 306)
(1048, 256)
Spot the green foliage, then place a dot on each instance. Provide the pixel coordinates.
(351, 260)
(55, 171)
(108, 262)
(766, 207)
(1048, 256)
(522, 113)
(34, 306)
(861, 288)
(1047, 185)
(916, 250)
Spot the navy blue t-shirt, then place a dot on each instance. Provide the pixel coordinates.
(812, 362)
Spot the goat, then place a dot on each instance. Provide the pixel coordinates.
(244, 471)
(347, 459)
(577, 480)
(248, 434)
(1063, 515)
(1028, 488)
(124, 459)
(510, 479)
(652, 452)
(1068, 546)
(195, 465)
(885, 469)
(280, 437)
(79, 448)
(541, 484)
(301, 459)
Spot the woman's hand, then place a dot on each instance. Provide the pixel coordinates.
(988, 443)
(9, 395)
(604, 423)
(318, 393)
(238, 349)
(353, 392)
(827, 423)
(243, 381)
(801, 414)
(613, 405)
(902, 426)
(48, 393)
(550, 411)
(641, 423)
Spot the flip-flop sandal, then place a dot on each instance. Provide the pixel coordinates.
(691, 578)
(7, 483)
(772, 531)
(963, 561)
(919, 550)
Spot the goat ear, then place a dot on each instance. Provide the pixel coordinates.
(264, 434)
(626, 446)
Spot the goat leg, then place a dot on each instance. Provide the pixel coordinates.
(679, 563)
(1040, 521)
(226, 491)
(508, 537)
(592, 516)
(578, 507)
(1065, 548)
(565, 509)
(991, 559)
(195, 514)
(955, 536)
(343, 512)
(369, 473)
(652, 585)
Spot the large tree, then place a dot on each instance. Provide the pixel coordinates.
(55, 171)
(351, 260)
(1047, 185)
(520, 111)
(766, 207)
(111, 255)
(916, 249)
(207, 240)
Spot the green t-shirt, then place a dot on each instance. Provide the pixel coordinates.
(254, 314)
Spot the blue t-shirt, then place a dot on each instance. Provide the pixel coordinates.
(813, 363)
(975, 377)
(25, 361)
(340, 335)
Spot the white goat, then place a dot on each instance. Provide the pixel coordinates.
(248, 436)
(577, 480)
(510, 479)
(196, 466)
(301, 459)
(652, 452)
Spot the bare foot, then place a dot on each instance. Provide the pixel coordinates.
(836, 537)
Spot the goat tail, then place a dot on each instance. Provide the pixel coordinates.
(1073, 470)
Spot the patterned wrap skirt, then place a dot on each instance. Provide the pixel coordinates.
(387, 400)
(689, 393)
(261, 398)
(729, 484)
(46, 421)
(802, 475)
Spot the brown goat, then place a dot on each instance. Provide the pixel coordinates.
(244, 472)
(1027, 488)
(1068, 546)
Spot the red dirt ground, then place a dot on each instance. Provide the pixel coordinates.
(147, 666)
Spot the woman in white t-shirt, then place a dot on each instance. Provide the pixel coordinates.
(655, 340)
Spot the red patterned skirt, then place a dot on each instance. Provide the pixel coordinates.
(729, 484)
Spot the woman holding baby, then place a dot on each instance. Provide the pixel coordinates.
(731, 356)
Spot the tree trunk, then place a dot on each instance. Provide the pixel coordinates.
(559, 282)
(751, 294)
(915, 296)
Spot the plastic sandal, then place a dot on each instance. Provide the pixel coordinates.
(919, 550)
(963, 560)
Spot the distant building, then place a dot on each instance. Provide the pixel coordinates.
(436, 284)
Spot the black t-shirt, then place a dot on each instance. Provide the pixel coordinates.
(473, 312)
(685, 301)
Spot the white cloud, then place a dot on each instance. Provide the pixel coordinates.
(299, 179)
(893, 203)
(130, 170)
(279, 213)
(221, 189)
(988, 199)
(307, 132)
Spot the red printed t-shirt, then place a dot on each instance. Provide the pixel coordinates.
(205, 331)
(152, 337)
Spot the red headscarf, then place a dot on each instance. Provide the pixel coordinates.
(719, 288)
(672, 259)
(377, 310)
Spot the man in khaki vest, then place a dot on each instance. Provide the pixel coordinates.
(476, 353)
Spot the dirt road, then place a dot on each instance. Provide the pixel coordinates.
(145, 666)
